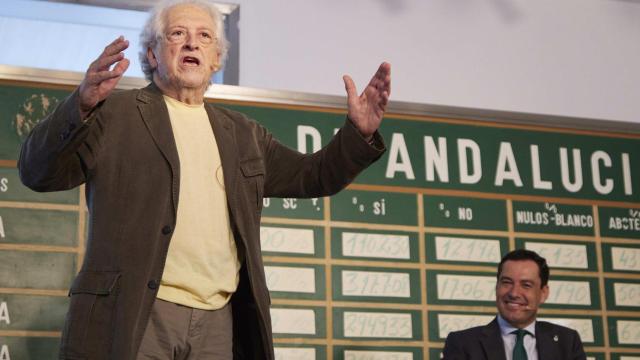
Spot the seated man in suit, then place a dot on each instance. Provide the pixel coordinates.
(515, 334)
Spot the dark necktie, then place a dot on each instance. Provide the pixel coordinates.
(519, 353)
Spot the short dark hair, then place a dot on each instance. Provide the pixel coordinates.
(523, 254)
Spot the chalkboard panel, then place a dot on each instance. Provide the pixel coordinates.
(465, 213)
(286, 351)
(295, 281)
(571, 255)
(34, 226)
(293, 208)
(292, 240)
(376, 353)
(624, 331)
(441, 323)
(621, 257)
(388, 267)
(36, 270)
(374, 207)
(595, 356)
(32, 312)
(553, 218)
(374, 245)
(573, 292)
(589, 327)
(625, 356)
(465, 249)
(41, 348)
(376, 324)
(376, 284)
(460, 288)
(622, 294)
(11, 189)
(620, 222)
(297, 321)
(22, 107)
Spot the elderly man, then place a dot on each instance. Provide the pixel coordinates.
(515, 334)
(174, 186)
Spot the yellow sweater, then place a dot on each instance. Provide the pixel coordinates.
(202, 265)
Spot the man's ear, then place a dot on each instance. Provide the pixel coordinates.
(219, 61)
(216, 64)
(545, 294)
(151, 57)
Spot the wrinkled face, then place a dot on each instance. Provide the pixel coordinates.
(187, 54)
(518, 292)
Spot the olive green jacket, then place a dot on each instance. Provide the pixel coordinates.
(126, 156)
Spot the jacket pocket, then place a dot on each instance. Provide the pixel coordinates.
(88, 329)
(253, 172)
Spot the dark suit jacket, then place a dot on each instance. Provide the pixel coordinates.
(553, 342)
(126, 156)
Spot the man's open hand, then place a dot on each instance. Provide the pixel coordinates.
(366, 110)
(100, 80)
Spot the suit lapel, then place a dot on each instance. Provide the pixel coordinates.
(491, 341)
(156, 118)
(223, 130)
(546, 342)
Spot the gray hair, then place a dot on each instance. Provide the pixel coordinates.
(154, 28)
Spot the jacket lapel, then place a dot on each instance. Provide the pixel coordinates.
(156, 118)
(546, 342)
(224, 132)
(491, 341)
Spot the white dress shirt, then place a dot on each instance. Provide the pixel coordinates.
(509, 339)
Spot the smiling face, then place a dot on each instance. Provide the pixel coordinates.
(518, 292)
(186, 56)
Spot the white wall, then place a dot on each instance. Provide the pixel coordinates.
(571, 57)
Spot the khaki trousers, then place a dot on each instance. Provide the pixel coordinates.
(177, 332)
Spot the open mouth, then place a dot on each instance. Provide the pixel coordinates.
(190, 61)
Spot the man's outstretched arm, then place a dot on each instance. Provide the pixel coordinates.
(58, 152)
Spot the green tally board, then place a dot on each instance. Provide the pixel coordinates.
(386, 268)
